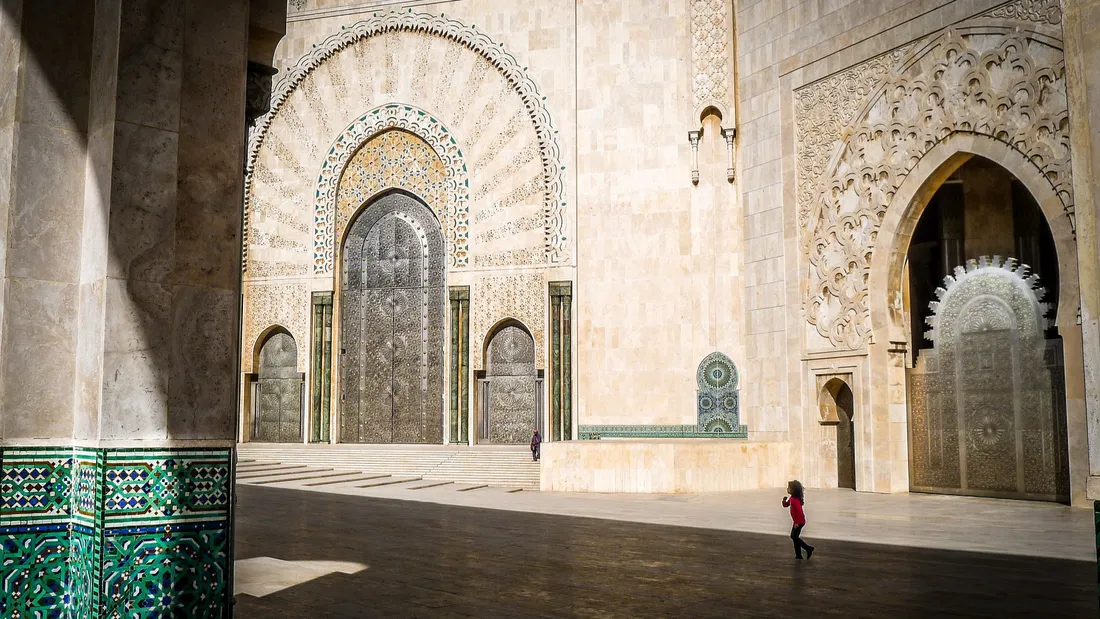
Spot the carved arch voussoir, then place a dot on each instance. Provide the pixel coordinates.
(456, 213)
(408, 21)
(997, 82)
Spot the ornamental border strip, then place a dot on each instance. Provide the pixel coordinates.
(595, 433)
(408, 21)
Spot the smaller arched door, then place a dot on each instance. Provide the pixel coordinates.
(277, 408)
(841, 398)
(510, 391)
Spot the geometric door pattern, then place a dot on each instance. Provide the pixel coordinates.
(392, 305)
(511, 373)
(987, 411)
(279, 392)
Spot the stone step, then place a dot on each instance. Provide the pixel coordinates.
(504, 466)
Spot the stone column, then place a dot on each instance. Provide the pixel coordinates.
(1082, 47)
(120, 315)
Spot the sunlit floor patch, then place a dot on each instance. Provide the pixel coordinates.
(266, 575)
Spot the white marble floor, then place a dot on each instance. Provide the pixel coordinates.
(924, 521)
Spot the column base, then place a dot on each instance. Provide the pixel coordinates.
(91, 533)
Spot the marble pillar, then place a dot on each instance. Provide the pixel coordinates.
(1082, 45)
(122, 129)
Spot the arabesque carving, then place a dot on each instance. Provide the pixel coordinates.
(1041, 11)
(521, 296)
(710, 52)
(274, 304)
(555, 245)
(1007, 86)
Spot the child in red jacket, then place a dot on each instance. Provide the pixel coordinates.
(795, 500)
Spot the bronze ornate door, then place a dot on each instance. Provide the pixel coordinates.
(392, 325)
(512, 411)
(278, 415)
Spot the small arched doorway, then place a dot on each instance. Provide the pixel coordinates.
(987, 402)
(391, 338)
(839, 408)
(510, 395)
(277, 408)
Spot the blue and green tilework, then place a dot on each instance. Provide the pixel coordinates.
(96, 533)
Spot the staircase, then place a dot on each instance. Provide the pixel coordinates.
(497, 465)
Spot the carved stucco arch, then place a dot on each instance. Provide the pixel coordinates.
(533, 101)
(454, 214)
(1006, 84)
(914, 195)
(262, 338)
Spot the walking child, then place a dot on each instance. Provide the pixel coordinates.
(795, 499)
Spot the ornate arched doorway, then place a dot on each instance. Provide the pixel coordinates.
(277, 408)
(987, 403)
(510, 392)
(392, 303)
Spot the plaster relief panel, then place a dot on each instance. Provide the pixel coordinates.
(993, 81)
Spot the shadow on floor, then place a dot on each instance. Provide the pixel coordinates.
(441, 561)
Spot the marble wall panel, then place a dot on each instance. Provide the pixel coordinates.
(39, 355)
(136, 359)
(143, 203)
(57, 38)
(49, 185)
(150, 63)
(202, 384)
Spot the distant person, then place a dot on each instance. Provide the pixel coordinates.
(536, 441)
(795, 499)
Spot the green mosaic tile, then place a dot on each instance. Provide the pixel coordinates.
(90, 533)
(34, 571)
(35, 485)
(168, 573)
(165, 487)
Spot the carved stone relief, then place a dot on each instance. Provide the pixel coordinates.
(710, 52)
(1004, 85)
(285, 304)
(410, 36)
(399, 159)
(1041, 11)
(521, 296)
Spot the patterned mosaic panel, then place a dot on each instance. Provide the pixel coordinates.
(34, 571)
(36, 485)
(177, 571)
(392, 159)
(90, 533)
(717, 400)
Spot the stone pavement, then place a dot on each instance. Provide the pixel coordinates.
(920, 520)
(430, 558)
